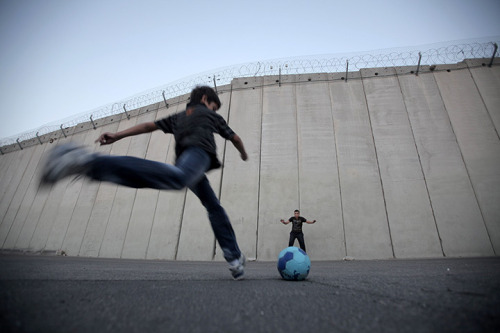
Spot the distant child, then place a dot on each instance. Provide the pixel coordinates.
(195, 149)
(296, 232)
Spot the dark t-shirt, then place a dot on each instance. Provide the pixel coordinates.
(196, 129)
(297, 223)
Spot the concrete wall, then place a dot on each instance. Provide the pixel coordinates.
(391, 165)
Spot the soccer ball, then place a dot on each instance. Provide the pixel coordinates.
(293, 264)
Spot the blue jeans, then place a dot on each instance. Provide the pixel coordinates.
(189, 171)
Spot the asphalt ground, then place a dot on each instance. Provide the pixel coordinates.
(63, 294)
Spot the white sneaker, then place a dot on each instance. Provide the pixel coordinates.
(238, 270)
(64, 160)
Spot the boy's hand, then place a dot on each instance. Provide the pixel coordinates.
(236, 140)
(107, 138)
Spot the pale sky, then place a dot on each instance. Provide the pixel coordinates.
(60, 58)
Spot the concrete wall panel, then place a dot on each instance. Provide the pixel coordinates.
(8, 171)
(11, 212)
(4, 164)
(29, 225)
(123, 203)
(365, 221)
(52, 205)
(143, 209)
(279, 183)
(487, 80)
(22, 212)
(170, 205)
(87, 194)
(96, 230)
(14, 174)
(478, 141)
(240, 182)
(319, 189)
(412, 226)
(455, 208)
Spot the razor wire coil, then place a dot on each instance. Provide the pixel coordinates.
(440, 54)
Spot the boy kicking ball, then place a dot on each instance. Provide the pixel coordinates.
(195, 149)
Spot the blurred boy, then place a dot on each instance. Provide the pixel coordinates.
(193, 130)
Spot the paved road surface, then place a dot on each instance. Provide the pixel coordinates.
(63, 294)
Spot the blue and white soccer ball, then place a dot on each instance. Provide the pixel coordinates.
(293, 264)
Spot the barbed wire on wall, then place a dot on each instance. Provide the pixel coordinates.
(443, 53)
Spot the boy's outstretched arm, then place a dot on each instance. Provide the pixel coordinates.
(109, 138)
(238, 144)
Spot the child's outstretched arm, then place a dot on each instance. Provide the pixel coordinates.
(108, 138)
(238, 144)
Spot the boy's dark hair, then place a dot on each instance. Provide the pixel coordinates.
(198, 92)
(296, 211)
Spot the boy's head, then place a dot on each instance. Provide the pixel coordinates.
(204, 95)
(296, 213)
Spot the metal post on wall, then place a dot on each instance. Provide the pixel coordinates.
(164, 99)
(215, 85)
(128, 116)
(39, 140)
(63, 131)
(17, 140)
(494, 54)
(279, 79)
(346, 69)
(418, 66)
(92, 121)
